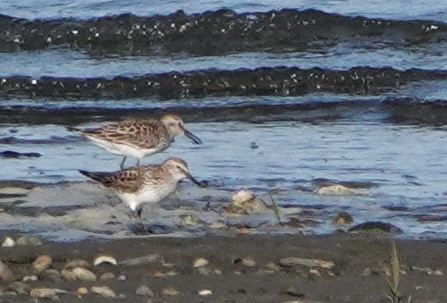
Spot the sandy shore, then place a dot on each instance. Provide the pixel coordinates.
(241, 269)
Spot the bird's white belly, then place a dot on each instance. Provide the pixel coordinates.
(123, 149)
(147, 196)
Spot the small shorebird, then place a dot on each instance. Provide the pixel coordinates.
(145, 184)
(138, 138)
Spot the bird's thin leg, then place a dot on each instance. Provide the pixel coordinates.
(122, 163)
(138, 162)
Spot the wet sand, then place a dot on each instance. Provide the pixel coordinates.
(242, 268)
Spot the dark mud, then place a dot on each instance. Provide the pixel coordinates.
(212, 33)
(241, 269)
(278, 81)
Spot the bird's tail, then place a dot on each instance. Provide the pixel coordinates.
(102, 177)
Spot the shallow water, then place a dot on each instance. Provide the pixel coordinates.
(289, 146)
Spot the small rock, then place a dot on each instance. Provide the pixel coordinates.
(52, 275)
(146, 260)
(218, 272)
(366, 272)
(217, 225)
(294, 261)
(243, 231)
(28, 241)
(122, 278)
(273, 267)
(293, 292)
(50, 293)
(20, 288)
(77, 263)
(249, 262)
(107, 276)
(171, 273)
(144, 291)
(244, 202)
(205, 292)
(5, 273)
(204, 271)
(104, 259)
(83, 274)
(437, 272)
(169, 292)
(9, 294)
(41, 263)
(82, 291)
(343, 218)
(9, 242)
(338, 190)
(200, 262)
(104, 291)
(68, 275)
(330, 273)
(315, 272)
(375, 227)
(30, 278)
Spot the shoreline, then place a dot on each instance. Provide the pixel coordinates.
(241, 268)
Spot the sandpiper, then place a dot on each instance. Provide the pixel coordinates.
(138, 138)
(148, 184)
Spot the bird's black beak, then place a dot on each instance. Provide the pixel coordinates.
(191, 136)
(194, 180)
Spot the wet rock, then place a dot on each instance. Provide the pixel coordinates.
(16, 155)
(41, 263)
(204, 271)
(52, 275)
(9, 242)
(83, 274)
(343, 218)
(199, 262)
(294, 261)
(338, 190)
(28, 241)
(104, 291)
(20, 288)
(145, 260)
(49, 293)
(144, 291)
(217, 225)
(169, 292)
(104, 259)
(107, 276)
(244, 202)
(375, 227)
(5, 273)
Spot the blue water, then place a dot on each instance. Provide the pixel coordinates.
(405, 162)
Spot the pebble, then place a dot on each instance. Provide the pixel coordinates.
(144, 291)
(205, 292)
(337, 190)
(84, 274)
(82, 291)
(343, 218)
(294, 261)
(107, 276)
(9, 242)
(244, 202)
(28, 240)
(104, 259)
(293, 292)
(169, 292)
(249, 262)
(42, 262)
(68, 275)
(104, 291)
(53, 275)
(20, 288)
(30, 278)
(77, 263)
(204, 271)
(122, 278)
(50, 293)
(315, 272)
(5, 273)
(200, 262)
(146, 260)
(217, 225)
